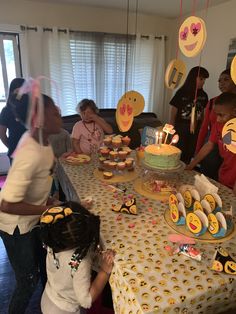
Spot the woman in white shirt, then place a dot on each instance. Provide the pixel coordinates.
(24, 197)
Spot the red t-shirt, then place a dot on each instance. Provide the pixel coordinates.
(207, 124)
(227, 171)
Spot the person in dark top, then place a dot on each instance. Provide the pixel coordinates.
(181, 107)
(9, 122)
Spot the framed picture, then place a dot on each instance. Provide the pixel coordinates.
(231, 53)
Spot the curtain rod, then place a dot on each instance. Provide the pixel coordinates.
(61, 30)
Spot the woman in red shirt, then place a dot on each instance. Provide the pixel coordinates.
(210, 165)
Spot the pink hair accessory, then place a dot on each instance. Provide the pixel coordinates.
(35, 117)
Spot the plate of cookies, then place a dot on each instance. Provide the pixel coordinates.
(77, 159)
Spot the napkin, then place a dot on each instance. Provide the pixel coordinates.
(204, 186)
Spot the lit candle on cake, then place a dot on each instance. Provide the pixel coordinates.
(160, 139)
(157, 138)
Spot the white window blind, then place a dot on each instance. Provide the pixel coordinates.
(99, 66)
(103, 66)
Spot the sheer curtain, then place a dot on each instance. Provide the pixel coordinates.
(93, 65)
(48, 54)
(149, 68)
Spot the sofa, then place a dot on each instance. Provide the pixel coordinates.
(144, 119)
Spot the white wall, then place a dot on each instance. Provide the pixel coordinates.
(79, 17)
(221, 27)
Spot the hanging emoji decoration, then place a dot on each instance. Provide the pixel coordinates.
(130, 105)
(192, 36)
(229, 135)
(175, 73)
(233, 69)
(223, 262)
(129, 207)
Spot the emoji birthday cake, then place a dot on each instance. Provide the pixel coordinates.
(162, 155)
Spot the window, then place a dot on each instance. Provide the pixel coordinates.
(99, 66)
(10, 67)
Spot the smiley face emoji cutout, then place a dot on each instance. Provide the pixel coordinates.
(194, 223)
(175, 73)
(233, 69)
(130, 105)
(192, 36)
(229, 135)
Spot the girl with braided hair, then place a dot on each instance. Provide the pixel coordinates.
(71, 234)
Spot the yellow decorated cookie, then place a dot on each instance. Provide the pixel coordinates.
(197, 206)
(194, 223)
(213, 227)
(188, 200)
(211, 200)
(174, 213)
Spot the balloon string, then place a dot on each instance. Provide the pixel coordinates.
(194, 7)
(179, 21)
(127, 42)
(200, 62)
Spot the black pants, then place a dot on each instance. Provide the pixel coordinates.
(28, 260)
(210, 165)
(187, 141)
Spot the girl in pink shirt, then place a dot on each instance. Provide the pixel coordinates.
(87, 134)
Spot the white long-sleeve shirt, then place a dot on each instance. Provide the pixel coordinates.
(28, 180)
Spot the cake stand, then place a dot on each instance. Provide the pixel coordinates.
(157, 183)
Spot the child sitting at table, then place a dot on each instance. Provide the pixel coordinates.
(87, 134)
(225, 110)
(61, 145)
(71, 234)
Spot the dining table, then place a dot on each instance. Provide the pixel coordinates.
(146, 278)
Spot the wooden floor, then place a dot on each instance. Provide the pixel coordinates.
(7, 283)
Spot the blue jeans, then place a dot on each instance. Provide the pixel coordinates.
(28, 260)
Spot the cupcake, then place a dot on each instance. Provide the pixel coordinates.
(121, 165)
(107, 175)
(122, 154)
(107, 140)
(112, 165)
(113, 155)
(102, 159)
(116, 142)
(129, 162)
(125, 140)
(106, 164)
(104, 152)
(126, 149)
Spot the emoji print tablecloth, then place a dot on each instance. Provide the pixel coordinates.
(145, 279)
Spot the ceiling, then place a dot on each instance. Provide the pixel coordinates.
(164, 8)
